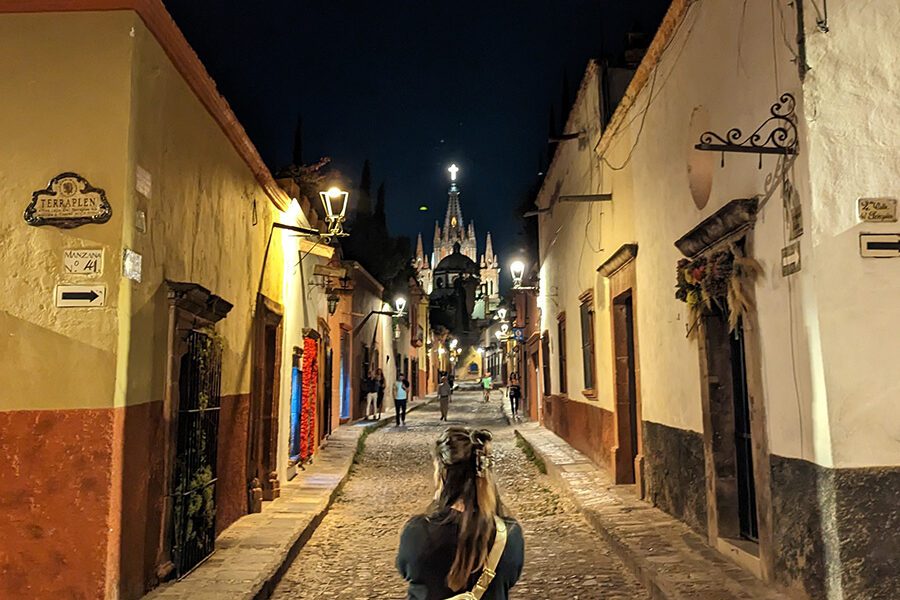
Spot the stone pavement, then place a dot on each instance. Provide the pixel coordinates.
(351, 555)
(669, 558)
(252, 554)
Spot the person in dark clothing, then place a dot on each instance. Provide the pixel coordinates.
(443, 552)
(401, 393)
(515, 394)
(381, 383)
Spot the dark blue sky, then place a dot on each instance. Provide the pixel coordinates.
(411, 85)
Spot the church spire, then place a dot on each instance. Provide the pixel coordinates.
(453, 221)
(420, 250)
(489, 258)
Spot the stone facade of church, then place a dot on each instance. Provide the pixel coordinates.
(455, 231)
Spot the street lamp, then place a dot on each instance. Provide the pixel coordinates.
(454, 343)
(399, 304)
(501, 314)
(332, 300)
(517, 269)
(504, 328)
(334, 201)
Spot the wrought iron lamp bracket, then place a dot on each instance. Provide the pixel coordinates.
(776, 135)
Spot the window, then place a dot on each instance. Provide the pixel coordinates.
(587, 340)
(545, 355)
(561, 341)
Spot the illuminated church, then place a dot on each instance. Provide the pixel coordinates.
(456, 232)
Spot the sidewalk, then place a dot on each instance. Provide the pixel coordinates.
(254, 552)
(670, 559)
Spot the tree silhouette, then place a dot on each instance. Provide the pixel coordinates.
(364, 198)
(380, 216)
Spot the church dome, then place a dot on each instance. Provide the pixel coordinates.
(457, 262)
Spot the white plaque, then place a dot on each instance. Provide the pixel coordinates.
(877, 210)
(143, 182)
(131, 265)
(80, 296)
(88, 261)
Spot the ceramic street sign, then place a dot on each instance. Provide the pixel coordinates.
(69, 200)
(80, 296)
(83, 262)
(878, 210)
(879, 245)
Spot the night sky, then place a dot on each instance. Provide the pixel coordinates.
(413, 86)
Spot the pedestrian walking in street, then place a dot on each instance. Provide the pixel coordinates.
(487, 384)
(514, 391)
(444, 392)
(466, 545)
(401, 393)
(371, 390)
(380, 384)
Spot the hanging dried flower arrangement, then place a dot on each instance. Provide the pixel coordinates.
(721, 279)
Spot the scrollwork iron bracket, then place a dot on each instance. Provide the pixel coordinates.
(776, 135)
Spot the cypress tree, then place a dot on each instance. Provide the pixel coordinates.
(364, 205)
(380, 216)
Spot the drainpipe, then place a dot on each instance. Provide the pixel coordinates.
(802, 65)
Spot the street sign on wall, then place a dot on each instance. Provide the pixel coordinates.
(87, 261)
(877, 210)
(879, 245)
(80, 296)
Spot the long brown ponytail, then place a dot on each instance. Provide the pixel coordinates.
(463, 459)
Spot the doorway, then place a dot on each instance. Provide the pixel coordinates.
(626, 388)
(263, 418)
(193, 488)
(327, 391)
(732, 440)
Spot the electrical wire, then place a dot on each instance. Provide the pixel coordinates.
(622, 126)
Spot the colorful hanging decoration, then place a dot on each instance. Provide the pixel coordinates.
(720, 279)
(310, 392)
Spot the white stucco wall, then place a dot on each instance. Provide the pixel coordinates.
(827, 333)
(852, 98)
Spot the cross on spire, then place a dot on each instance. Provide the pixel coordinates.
(453, 171)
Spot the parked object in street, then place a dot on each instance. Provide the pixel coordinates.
(451, 548)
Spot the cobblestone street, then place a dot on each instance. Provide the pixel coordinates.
(351, 554)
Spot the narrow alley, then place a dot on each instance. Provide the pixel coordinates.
(351, 554)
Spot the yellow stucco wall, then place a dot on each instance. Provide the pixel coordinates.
(115, 104)
(199, 222)
(59, 111)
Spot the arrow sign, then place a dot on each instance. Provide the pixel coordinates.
(879, 245)
(74, 296)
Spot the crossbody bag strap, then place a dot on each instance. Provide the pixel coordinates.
(490, 567)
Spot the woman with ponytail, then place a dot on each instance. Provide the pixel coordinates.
(449, 550)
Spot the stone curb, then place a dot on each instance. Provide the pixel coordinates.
(264, 582)
(640, 568)
(642, 562)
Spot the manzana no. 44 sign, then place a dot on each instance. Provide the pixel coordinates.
(69, 200)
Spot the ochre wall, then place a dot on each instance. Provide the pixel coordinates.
(86, 388)
(60, 111)
(200, 229)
